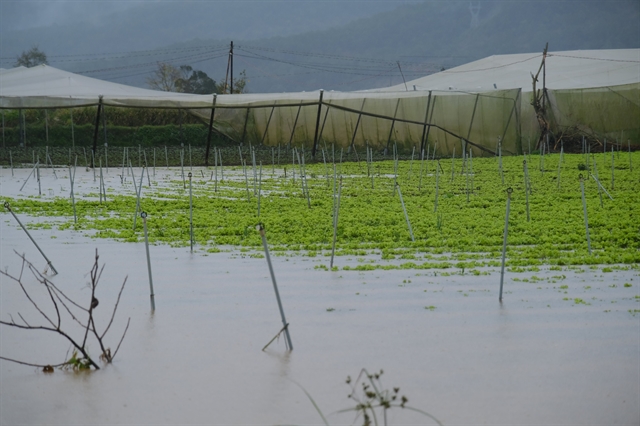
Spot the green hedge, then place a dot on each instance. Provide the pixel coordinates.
(147, 136)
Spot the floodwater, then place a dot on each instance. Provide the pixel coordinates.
(547, 354)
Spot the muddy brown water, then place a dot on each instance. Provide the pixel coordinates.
(534, 359)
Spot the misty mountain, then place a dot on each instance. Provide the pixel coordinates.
(100, 26)
(366, 50)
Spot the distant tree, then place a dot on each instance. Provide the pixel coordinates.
(239, 84)
(195, 81)
(185, 79)
(31, 58)
(164, 77)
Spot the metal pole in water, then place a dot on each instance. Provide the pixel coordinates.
(246, 180)
(255, 172)
(93, 165)
(326, 171)
(504, 240)
(612, 173)
(101, 182)
(191, 210)
(560, 165)
(595, 168)
(106, 157)
(215, 169)
(435, 204)
(11, 162)
(526, 187)
(154, 163)
(584, 209)
(73, 200)
(221, 168)
(143, 215)
(184, 182)
(138, 191)
(144, 153)
(453, 157)
(259, 188)
(8, 207)
(406, 216)
(38, 176)
(166, 156)
(285, 325)
(421, 168)
(124, 156)
(413, 152)
(336, 212)
(27, 180)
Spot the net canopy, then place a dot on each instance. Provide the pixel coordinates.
(594, 93)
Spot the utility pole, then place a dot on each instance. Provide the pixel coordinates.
(231, 59)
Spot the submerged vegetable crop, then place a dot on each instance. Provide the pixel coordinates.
(459, 223)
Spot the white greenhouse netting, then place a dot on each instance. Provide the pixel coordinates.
(593, 93)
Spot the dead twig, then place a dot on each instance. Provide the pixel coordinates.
(80, 358)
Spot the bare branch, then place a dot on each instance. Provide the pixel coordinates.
(121, 339)
(115, 308)
(80, 357)
(34, 365)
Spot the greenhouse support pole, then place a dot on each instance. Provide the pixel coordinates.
(315, 138)
(393, 123)
(213, 111)
(426, 121)
(473, 115)
(266, 129)
(95, 130)
(293, 130)
(355, 130)
(244, 129)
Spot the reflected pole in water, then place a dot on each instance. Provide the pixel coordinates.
(285, 325)
(8, 207)
(504, 240)
(143, 215)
